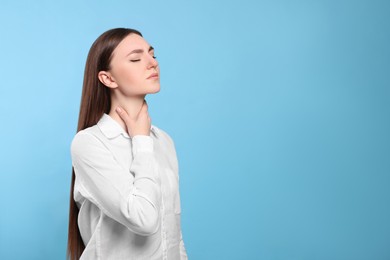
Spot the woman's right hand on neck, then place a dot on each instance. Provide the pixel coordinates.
(140, 125)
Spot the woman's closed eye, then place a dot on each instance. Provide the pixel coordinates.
(154, 57)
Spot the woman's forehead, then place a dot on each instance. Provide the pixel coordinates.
(132, 42)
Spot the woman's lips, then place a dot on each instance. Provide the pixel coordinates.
(153, 76)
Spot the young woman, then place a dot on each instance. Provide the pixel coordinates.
(124, 201)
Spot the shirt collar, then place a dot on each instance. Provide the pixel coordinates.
(111, 128)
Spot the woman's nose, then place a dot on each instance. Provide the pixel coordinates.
(152, 62)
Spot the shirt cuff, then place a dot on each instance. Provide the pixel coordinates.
(142, 143)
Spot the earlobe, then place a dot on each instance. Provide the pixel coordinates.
(107, 79)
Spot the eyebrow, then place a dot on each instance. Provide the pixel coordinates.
(140, 50)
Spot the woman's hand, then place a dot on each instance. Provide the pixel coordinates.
(140, 125)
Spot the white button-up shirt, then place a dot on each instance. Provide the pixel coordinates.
(127, 190)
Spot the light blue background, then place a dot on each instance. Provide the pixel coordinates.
(279, 111)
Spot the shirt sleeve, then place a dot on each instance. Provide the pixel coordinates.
(183, 252)
(130, 196)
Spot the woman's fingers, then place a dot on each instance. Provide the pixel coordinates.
(139, 125)
(123, 114)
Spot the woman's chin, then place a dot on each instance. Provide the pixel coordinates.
(154, 90)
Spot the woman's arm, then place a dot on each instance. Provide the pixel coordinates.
(131, 197)
(183, 252)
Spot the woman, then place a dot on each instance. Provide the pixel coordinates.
(124, 201)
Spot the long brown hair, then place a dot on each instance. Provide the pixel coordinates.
(95, 101)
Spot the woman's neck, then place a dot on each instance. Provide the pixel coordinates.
(132, 105)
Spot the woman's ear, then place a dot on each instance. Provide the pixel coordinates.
(107, 79)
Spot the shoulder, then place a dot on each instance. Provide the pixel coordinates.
(163, 135)
(86, 140)
(169, 148)
(166, 141)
